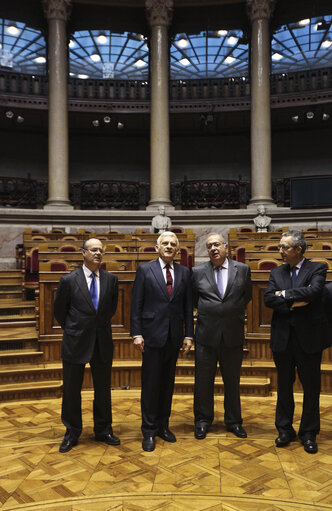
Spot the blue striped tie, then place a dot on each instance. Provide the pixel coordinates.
(93, 291)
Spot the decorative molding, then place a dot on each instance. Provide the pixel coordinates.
(159, 12)
(260, 9)
(57, 9)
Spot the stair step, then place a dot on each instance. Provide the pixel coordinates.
(10, 357)
(25, 317)
(18, 334)
(35, 390)
(17, 324)
(249, 385)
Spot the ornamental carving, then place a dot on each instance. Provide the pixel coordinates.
(159, 12)
(57, 9)
(260, 9)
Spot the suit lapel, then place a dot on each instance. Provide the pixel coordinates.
(158, 274)
(302, 273)
(177, 279)
(103, 285)
(212, 279)
(285, 274)
(80, 277)
(232, 272)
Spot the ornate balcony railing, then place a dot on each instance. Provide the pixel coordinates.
(134, 195)
(137, 91)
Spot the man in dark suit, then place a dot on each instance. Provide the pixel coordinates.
(161, 323)
(85, 302)
(299, 333)
(222, 289)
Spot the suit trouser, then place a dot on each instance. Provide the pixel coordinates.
(71, 400)
(230, 360)
(158, 373)
(308, 368)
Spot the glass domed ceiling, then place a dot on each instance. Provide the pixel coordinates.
(306, 44)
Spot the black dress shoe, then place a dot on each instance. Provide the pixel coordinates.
(237, 429)
(285, 438)
(310, 445)
(109, 439)
(200, 432)
(148, 443)
(67, 444)
(166, 435)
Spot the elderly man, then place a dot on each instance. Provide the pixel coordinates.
(85, 302)
(161, 323)
(299, 333)
(222, 289)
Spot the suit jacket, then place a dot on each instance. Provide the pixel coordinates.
(327, 302)
(83, 326)
(309, 322)
(153, 314)
(221, 318)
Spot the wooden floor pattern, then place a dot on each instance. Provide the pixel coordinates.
(221, 472)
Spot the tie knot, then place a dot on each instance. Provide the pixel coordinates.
(168, 266)
(93, 275)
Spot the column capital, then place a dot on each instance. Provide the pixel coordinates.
(159, 12)
(260, 9)
(57, 9)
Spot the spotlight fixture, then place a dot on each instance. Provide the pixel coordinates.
(82, 76)
(222, 33)
(310, 115)
(277, 56)
(120, 126)
(9, 114)
(182, 42)
(20, 119)
(295, 118)
(71, 44)
(12, 29)
(232, 40)
(326, 44)
(101, 38)
(140, 63)
(95, 57)
(184, 62)
(107, 119)
(229, 60)
(323, 25)
(40, 60)
(304, 22)
(95, 123)
(325, 117)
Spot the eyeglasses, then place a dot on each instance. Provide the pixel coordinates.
(95, 250)
(284, 247)
(217, 244)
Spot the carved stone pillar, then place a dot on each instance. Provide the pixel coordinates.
(57, 13)
(260, 12)
(159, 14)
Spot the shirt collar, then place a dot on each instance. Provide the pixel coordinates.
(224, 265)
(163, 264)
(88, 272)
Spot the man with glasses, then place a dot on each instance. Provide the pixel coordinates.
(85, 302)
(299, 333)
(222, 289)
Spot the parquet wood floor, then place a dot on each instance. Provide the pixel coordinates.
(221, 473)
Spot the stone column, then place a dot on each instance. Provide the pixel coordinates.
(260, 12)
(159, 14)
(57, 13)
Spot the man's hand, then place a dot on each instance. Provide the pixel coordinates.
(187, 344)
(139, 343)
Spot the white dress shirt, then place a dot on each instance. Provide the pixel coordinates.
(163, 269)
(88, 278)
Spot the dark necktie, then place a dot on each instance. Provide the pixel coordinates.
(293, 275)
(93, 291)
(169, 280)
(219, 281)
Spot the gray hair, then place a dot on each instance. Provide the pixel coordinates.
(298, 240)
(167, 233)
(216, 234)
